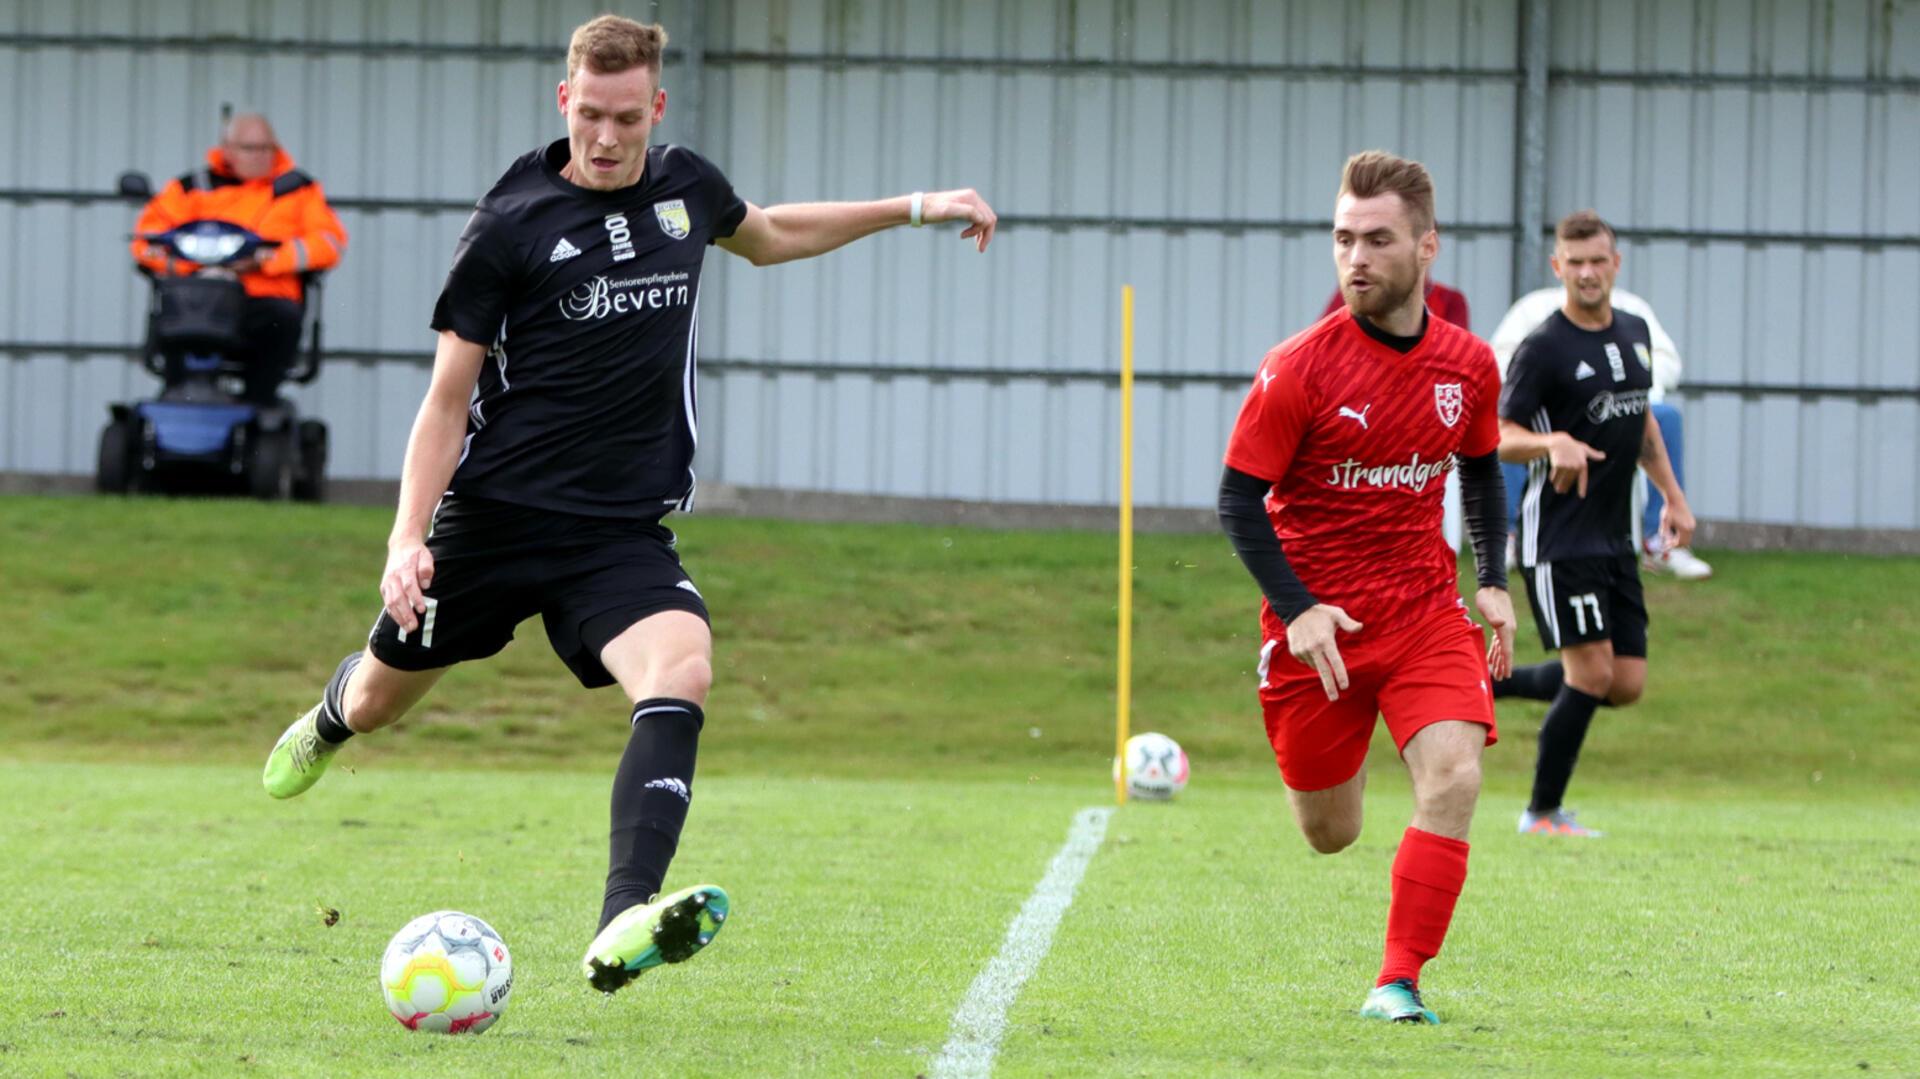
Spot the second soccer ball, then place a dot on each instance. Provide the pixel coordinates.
(1156, 767)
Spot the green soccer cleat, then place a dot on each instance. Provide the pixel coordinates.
(668, 930)
(1398, 1001)
(298, 758)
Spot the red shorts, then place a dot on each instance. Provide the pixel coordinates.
(1432, 670)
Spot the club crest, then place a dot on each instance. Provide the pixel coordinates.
(1646, 357)
(673, 218)
(1448, 400)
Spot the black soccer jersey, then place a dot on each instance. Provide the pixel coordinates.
(589, 301)
(1593, 385)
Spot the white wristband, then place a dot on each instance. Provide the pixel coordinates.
(913, 212)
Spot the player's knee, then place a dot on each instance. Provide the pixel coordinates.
(1330, 836)
(1621, 694)
(1329, 841)
(1593, 684)
(689, 679)
(1450, 781)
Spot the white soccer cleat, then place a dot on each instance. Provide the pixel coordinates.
(1679, 561)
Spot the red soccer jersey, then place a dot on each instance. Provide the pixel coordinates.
(1357, 439)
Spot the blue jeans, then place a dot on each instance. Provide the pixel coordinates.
(1668, 417)
(1516, 483)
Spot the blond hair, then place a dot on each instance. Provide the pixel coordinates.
(1376, 172)
(610, 44)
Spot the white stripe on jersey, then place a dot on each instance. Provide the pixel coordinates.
(498, 353)
(1543, 590)
(1538, 471)
(500, 356)
(688, 395)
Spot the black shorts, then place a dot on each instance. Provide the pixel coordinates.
(496, 565)
(1583, 600)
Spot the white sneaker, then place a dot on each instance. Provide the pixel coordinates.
(1679, 561)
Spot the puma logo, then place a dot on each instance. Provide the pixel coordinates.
(1360, 416)
(1265, 380)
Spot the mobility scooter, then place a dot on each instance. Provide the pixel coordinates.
(199, 434)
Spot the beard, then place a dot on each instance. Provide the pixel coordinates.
(1387, 294)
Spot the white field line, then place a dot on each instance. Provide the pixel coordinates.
(981, 1020)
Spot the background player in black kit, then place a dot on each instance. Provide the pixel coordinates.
(560, 426)
(1575, 408)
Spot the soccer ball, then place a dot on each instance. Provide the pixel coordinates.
(446, 972)
(1156, 767)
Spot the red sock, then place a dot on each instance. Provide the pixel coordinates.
(1427, 875)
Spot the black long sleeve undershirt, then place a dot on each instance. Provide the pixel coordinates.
(1483, 501)
(1243, 516)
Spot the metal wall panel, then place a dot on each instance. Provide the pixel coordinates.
(1785, 137)
(1225, 180)
(1190, 149)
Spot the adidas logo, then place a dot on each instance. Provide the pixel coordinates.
(1580, 372)
(563, 251)
(673, 784)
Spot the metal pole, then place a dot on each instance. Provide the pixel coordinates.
(687, 94)
(1123, 717)
(1530, 156)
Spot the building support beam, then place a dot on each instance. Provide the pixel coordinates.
(1530, 150)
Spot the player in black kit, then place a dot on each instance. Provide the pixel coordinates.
(1575, 409)
(558, 430)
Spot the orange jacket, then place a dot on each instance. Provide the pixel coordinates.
(287, 207)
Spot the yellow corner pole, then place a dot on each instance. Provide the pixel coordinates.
(1125, 695)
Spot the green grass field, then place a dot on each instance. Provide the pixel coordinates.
(905, 721)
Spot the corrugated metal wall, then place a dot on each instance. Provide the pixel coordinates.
(1768, 155)
(1190, 149)
(1194, 157)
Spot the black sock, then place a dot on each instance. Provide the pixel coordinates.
(1560, 736)
(1540, 682)
(651, 794)
(331, 724)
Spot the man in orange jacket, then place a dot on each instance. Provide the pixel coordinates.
(250, 181)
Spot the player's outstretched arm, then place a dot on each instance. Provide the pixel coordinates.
(801, 230)
(433, 450)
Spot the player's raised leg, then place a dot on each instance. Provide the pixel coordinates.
(1320, 738)
(1537, 682)
(363, 695)
(664, 663)
(1330, 818)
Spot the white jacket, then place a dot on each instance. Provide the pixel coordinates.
(1531, 310)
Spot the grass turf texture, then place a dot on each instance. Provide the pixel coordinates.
(903, 722)
(163, 919)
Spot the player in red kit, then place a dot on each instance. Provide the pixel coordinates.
(1332, 498)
